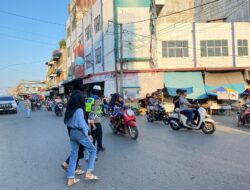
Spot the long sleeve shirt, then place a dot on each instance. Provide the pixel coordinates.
(78, 122)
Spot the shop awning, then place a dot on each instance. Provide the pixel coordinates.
(231, 80)
(190, 81)
(210, 90)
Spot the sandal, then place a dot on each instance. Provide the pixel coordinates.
(72, 182)
(92, 178)
(64, 166)
(79, 172)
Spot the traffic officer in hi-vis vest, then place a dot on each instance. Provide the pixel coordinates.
(94, 110)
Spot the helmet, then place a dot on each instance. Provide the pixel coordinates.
(96, 87)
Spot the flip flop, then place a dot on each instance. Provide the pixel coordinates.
(64, 167)
(92, 178)
(75, 181)
(79, 172)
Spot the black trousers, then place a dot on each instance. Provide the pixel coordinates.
(80, 152)
(97, 135)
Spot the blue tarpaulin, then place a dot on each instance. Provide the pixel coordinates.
(190, 81)
(240, 88)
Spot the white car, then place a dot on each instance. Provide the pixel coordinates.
(8, 104)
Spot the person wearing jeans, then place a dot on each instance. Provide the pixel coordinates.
(28, 107)
(79, 130)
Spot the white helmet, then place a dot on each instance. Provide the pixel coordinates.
(96, 87)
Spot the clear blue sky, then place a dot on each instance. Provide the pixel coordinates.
(37, 42)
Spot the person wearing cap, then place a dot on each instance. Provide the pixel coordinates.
(94, 107)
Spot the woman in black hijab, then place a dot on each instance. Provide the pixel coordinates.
(72, 106)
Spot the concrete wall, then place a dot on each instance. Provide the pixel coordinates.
(172, 6)
(231, 10)
(204, 31)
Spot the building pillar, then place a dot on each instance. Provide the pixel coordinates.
(194, 44)
(233, 44)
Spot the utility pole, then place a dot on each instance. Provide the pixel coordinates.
(121, 59)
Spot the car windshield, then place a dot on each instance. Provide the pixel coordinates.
(6, 98)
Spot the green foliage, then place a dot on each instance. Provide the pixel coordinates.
(62, 43)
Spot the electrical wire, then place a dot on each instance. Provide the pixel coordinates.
(26, 39)
(31, 18)
(174, 13)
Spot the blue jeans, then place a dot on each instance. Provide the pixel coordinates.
(189, 114)
(77, 137)
(28, 112)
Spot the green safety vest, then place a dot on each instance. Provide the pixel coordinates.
(90, 104)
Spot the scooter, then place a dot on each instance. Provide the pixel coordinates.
(206, 124)
(38, 105)
(160, 115)
(244, 120)
(125, 123)
(49, 106)
(59, 109)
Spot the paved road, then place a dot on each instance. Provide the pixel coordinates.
(31, 151)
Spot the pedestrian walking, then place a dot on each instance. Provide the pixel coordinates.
(28, 107)
(79, 130)
(94, 107)
(65, 165)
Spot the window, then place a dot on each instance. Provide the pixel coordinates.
(87, 33)
(175, 49)
(68, 31)
(213, 48)
(97, 24)
(27, 89)
(68, 51)
(98, 54)
(242, 47)
(88, 61)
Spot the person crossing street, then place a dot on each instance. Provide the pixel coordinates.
(94, 107)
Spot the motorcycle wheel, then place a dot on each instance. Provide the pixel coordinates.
(133, 132)
(166, 121)
(208, 128)
(149, 119)
(174, 126)
(113, 128)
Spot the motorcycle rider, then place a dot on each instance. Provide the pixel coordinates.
(118, 111)
(58, 100)
(185, 109)
(153, 104)
(94, 106)
(177, 103)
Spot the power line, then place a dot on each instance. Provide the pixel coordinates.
(31, 18)
(174, 13)
(26, 32)
(26, 39)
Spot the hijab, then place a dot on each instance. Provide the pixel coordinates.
(75, 102)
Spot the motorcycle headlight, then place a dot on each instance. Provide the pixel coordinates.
(130, 112)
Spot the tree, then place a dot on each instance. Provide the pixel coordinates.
(62, 43)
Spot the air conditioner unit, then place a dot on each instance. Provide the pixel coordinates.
(247, 74)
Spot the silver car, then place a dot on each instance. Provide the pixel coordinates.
(8, 104)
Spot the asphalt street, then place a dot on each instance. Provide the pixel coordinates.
(31, 151)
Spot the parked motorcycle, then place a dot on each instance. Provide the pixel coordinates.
(38, 105)
(59, 109)
(204, 123)
(33, 106)
(49, 106)
(125, 123)
(160, 115)
(243, 117)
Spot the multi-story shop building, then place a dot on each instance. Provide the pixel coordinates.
(153, 51)
(26, 88)
(57, 70)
